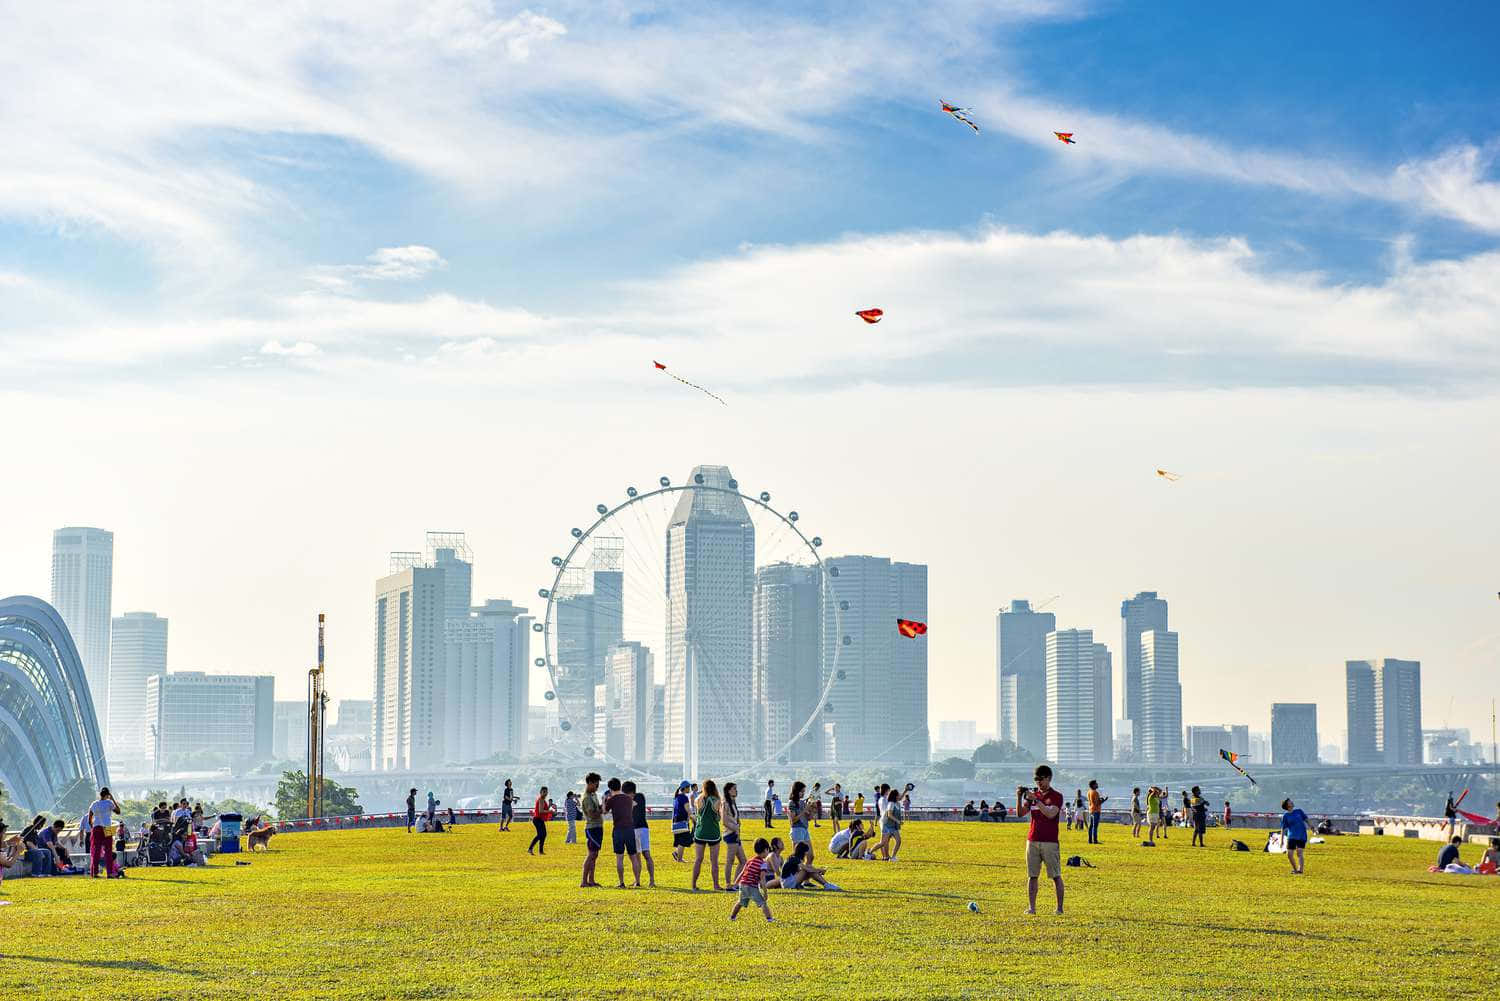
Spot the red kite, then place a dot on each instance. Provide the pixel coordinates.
(962, 114)
(910, 628)
(1065, 137)
(870, 315)
(694, 385)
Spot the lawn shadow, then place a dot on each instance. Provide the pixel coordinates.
(141, 965)
(1235, 929)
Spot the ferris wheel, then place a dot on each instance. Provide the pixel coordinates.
(693, 623)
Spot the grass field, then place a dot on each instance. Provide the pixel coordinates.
(383, 914)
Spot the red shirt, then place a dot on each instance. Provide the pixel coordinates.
(542, 810)
(750, 875)
(1044, 828)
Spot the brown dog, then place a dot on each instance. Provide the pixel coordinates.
(260, 837)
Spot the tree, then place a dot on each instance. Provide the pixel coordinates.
(291, 798)
(239, 806)
(952, 768)
(1001, 752)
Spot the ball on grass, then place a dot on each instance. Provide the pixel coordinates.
(973, 907)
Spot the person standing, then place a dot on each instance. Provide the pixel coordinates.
(770, 794)
(1294, 831)
(1096, 810)
(682, 825)
(734, 852)
(101, 839)
(411, 810)
(1153, 812)
(541, 812)
(707, 831)
(593, 826)
(507, 805)
(1450, 810)
(1228, 814)
(621, 808)
(571, 812)
(1199, 813)
(1136, 814)
(836, 807)
(642, 830)
(1043, 804)
(750, 879)
(890, 828)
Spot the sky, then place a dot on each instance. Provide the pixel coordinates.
(282, 288)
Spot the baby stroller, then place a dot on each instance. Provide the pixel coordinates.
(154, 846)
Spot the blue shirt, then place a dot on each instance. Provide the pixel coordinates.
(680, 808)
(1294, 823)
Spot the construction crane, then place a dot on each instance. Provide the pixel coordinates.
(317, 706)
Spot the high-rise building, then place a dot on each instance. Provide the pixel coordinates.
(631, 698)
(1104, 730)
(590, 620)
(1021, 675)
(410, 666)
(1239, 739)
(1159, 725)
(137, 650)
(83, 561)
(786, 660)
(196, 720)
(1260, 747)
(1294, 733)
(658, 723)
(878, 711)
(449, 552)
(957, 735)
(1143, 613)
(486, 683)
(289, 732)
(1359, 688)
(710, 564)
(1205, 742)
(1385, 711)
(1071, 704)
(609, 739)
(354, 718)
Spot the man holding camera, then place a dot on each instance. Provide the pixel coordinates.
(1044, 804)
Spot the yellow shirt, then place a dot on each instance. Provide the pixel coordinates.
(1096, 802)
(859, 803)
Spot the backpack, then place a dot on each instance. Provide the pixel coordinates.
(1078, 860)
(1238, 846)
(1148, 844)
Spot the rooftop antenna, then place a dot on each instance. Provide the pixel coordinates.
(317, 705)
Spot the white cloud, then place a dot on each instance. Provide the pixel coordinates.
(299, 349)
(386, 264)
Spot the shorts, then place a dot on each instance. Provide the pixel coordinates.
(1293, 844)
(1136, 816)
(706, 841)
(752, 895)
(624, 840)
(836, 811)
(507, 812)
(594, 838)
(1155, 818)
(800, 834)
(790, 882)
(643, 839)
(731, 837)
(889, 830)
(1039, 853)
(682, 839)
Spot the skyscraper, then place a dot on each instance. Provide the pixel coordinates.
(1205, 742)
(631, 698)
(1159, 725)
(1385, 711)
(449, 552)
(590, 620)
(289, 732)
(410, 664)
(1070, 696)
(137, 650)
(710, 570)
(1021, 675)
(879, 709)
(1143, 613)
(1359, 687)
(1104, 724)
(83, 562)
(203, 720)
(786, 659)
(1294, 733)
(486, 682)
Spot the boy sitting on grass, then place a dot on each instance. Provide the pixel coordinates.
(750, 879)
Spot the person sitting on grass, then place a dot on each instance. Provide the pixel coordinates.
(750, 879)
(7, 851)
(850, 842)
(998, 812)
(1489, 865)
(1449, 853)
(970, 811)
(797, 871)
(51, 839)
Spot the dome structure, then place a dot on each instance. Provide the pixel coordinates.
(50, 747)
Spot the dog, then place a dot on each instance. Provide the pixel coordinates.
(260, 836)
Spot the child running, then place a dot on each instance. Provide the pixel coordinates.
(750, 879)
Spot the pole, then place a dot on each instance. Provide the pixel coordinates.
(315, 703)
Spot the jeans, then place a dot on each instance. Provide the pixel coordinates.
(572, 838)
(540, 841)
(102, 846)
(1093, 828)
(40, 860)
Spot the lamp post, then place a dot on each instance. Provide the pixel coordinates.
(156, 752)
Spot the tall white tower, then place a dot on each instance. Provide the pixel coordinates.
(83, 561)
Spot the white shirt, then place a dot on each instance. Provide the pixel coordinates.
(840, 839)
(101, 814)
(182, 812)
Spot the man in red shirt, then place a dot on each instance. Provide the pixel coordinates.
(1044, 804)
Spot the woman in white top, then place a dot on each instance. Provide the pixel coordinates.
(733, 850)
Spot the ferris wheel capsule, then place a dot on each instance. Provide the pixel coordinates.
(540, 662)
(537, 627)
(734, 484)
(698, 478)
(602, 508)
(630, 491)
(843, 606)
(565, 725)
(577, 533)
(765, 497)
(841, 676)
(542, 592)
(588, 752)
(549, 696)
(557, 561)
(791, 516)
(817, 540)
(665, 482)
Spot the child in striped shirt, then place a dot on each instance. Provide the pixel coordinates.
(750, 880)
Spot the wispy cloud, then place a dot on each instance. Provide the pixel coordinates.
(386, 264)
(298, 349)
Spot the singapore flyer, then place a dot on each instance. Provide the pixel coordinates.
(692, 625)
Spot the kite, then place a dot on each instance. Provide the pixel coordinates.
(870, 315)
(1233, 758)
(1065, 137)
(962, 114)
(1475, 818)
(910, 628)
(694, 385)
(1168, 476)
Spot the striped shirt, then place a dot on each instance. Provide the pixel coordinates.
(750, 875)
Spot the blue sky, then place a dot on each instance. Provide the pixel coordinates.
(286, 226)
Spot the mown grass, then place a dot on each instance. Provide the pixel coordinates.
(383, 914)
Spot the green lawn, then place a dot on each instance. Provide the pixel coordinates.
(383, 914)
